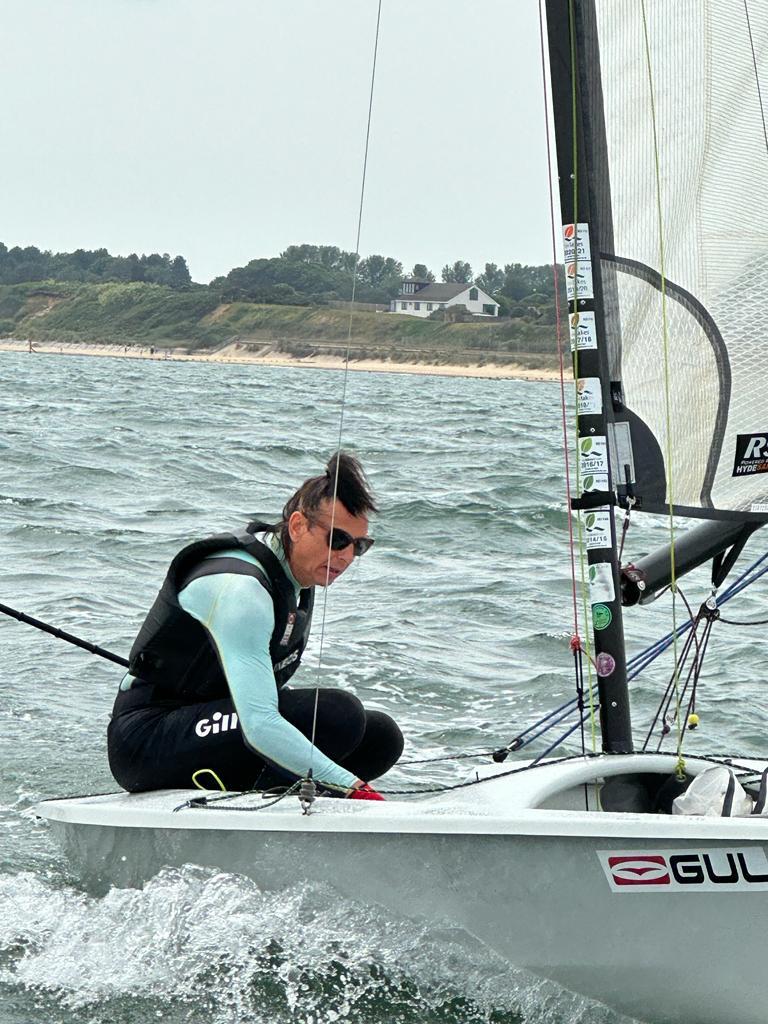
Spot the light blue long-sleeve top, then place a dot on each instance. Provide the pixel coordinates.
(239, 616)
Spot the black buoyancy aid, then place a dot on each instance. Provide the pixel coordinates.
(176, 653)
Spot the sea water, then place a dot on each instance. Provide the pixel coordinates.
(457, 623)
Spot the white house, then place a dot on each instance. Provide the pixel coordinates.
(420, 298)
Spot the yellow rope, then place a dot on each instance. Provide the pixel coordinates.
(575, 312)
(207, 771)
(668, 405)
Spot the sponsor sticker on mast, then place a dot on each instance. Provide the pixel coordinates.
(597, 529)
(583, 331)
(578, 261)
(593, 463)
(708, 869)
(589, 396)
(576, 243)
(601, 589)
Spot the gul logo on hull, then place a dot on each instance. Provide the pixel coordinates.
(713, 869)
(650, 870)
(215, 724)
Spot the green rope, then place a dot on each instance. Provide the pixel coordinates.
(575, 313)
(667, 400)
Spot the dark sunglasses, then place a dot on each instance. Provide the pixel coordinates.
(339, 539)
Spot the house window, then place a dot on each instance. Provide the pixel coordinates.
(417, 305)
(489, 309)
(473, 294)
(442, 305)
(403, 305)
(429, 305)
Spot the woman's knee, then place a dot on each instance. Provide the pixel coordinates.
(380, 748)
(384, 732)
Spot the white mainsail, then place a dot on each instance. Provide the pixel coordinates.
(686, 256)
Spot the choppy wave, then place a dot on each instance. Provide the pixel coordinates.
(458, 623)
(196, 945)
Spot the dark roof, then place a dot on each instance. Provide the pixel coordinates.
(436, 292)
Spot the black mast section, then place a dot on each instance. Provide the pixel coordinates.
(574, 62)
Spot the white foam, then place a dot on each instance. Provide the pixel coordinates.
(303, 955)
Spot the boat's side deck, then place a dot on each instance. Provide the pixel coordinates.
(558, 798)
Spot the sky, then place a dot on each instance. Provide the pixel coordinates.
(226, 130)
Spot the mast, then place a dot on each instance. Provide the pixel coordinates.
(585, 209)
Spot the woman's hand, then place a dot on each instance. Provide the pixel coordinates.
(362, 791)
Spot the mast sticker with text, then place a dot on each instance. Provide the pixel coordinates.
(576, 243)
(751, 454)
(601, 589)
(597, 529)
(578, 281)
(578, 261)
(593, 463)
(583, 331)
(708, 869)
(589, 396)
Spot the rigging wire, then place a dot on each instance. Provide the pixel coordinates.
(579, 524)
(576, 640)
(346, 374)
(733, 622)
(558, 323)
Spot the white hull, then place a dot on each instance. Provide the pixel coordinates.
(514, 861)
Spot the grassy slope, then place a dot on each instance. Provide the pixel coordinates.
(155, 315)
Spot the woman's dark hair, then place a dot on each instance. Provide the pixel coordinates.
(343, 477)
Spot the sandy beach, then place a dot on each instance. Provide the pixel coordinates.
(269, 357)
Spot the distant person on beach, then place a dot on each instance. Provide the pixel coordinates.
(205, 701)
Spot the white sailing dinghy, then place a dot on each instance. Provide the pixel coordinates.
(569, 867)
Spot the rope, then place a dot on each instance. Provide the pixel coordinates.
(207, 771)
(346, 375)
(578, 668)
(558, 323)
(642, 660)
(202, 803)
(575, 315)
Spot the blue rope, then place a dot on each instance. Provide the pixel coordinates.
(561, 739)
(565, 714)
(636, 664)
(642, 660)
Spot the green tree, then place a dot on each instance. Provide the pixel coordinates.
(492, 279)
(381, 272)
(460, 273)
(422, 273)
(179, 276)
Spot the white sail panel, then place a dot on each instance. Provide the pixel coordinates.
(700, 233)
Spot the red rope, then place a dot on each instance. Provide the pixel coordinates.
(558, 333)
